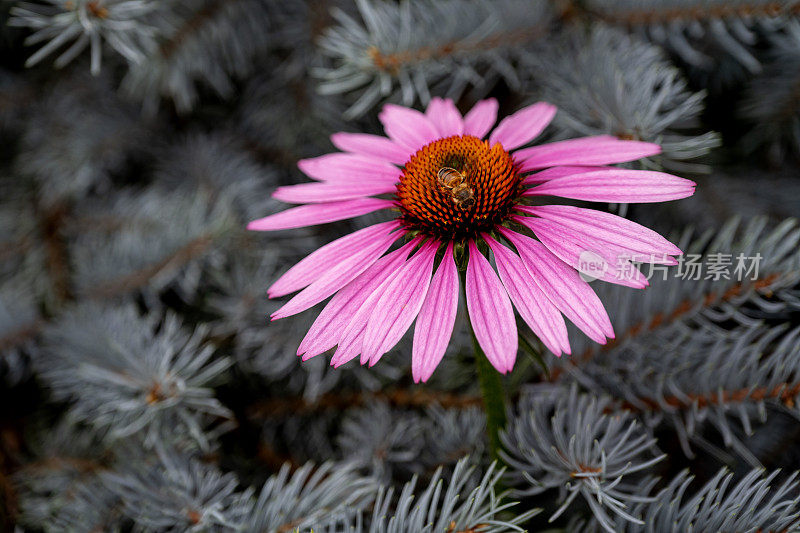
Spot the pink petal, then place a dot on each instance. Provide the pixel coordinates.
(523, 126)
(490, 312)
(351, 338)
(309, 215)
(533, 306)
(445, 117)
(599, 150)
(618, 186)
(349, 167)
(436, 318)
(399, 303)
(327, 329)
(583, 255)
(407, 127)
(331, 192)
(558, 172)
(336, 277)
(480, 119)
(607, 228)
(563, 286)
(317, 263)
(371, 145)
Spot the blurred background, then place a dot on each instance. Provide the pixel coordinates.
(143, 389)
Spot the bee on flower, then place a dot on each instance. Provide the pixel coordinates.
(455, 182)
(461, 193)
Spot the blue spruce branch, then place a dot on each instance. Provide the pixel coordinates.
(416, 48)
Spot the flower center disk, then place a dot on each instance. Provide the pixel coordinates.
(457, 187)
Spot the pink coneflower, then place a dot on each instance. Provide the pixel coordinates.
(460, 199)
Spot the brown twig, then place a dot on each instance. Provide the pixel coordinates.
(473, 529)
(118, 286)
(319, 17)
(190, 26)
(10, 249)
(10, 441)
(585, 469)
(791, 104)
(274, 460)
(57, 261)
(79, 464)
(140, 277)
(8, 505)
(277, 407)
(76, 225)
(663, 318)
(19, 336)
(783, 392)
(636, 17)
(289, 526)
(392, 63)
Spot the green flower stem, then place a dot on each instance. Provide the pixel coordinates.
(494, 400)
(491, 383)
(535, 354)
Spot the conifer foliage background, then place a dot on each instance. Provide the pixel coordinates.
(141, 388)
